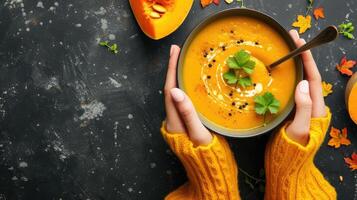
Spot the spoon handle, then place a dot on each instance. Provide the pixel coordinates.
(327, 35)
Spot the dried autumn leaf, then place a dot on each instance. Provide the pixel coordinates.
(345, 66)
(338, 138)
(326, 88)
(319, 13)
(303, 23)
(205, 3)
(352, 162)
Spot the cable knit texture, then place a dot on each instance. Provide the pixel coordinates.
(211, 169)
(290, 170)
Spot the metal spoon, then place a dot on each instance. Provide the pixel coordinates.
(325, 36)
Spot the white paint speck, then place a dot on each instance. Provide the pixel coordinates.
(290, 5)
(127, 127)
(114, 82)
(130, 116)
(101, 11)
(56, 3)
(40, 4)
(152, 165)
(125, 76)
(130, 189)
(92, 110)
(14, 178)
(23, 164)
(104, 23)
(111, 37)
(27, 29)
(78, 25)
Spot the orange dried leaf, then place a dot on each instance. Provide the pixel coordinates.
(345, 66)
(338, 138)
(205, 3)
(303, 23)
(352, 162)
(326, 88)
(319, 13)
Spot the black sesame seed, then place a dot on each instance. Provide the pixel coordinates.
(240, 107)
(233, 103)
(209, 65)
(254, 84)
(246, 103)
(232, 31)
(238, 42)
(230, 114)
(213, 60)
(208, 77)
(205, 55)
(241, 40)
(231, 94)
(211, 49)
(256, 43)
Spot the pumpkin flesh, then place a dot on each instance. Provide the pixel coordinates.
(168, 22)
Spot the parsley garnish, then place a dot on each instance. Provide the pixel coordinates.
(239, 62)
(113, 48)
(347, 30)
(232, 78)
(266, 103)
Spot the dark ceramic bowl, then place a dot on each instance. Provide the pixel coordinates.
(241, 133)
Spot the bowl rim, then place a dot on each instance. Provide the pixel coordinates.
(244, 133)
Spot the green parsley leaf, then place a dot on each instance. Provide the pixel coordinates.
(231, 77)
(248, 67)
(232, 63)
(242, 57)
(245, 82)
(103, 43)
(113, 48)
(265, 103)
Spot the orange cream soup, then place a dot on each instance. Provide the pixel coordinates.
(205, 63)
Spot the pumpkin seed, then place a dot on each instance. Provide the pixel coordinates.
(155, 15)
(159, 8)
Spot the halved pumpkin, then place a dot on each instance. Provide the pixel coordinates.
(351, 97)
(159, 18)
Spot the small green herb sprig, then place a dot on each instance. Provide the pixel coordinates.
(309, 6)
(241, 3)
(240, 67)
(113, 48)
(266, 103)
(347, 29)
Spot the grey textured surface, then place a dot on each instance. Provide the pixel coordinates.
(77, 122)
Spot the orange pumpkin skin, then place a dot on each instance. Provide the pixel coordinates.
(351, 97)
(168, 22)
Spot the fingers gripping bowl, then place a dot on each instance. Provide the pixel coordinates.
(222, 69)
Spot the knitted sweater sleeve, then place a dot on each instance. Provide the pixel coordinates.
(290, 169)
(211, 169)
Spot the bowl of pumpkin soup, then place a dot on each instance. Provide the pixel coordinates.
(222, 68)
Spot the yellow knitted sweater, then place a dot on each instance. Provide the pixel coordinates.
(290, 171)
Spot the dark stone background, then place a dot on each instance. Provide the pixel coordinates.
(78, 122)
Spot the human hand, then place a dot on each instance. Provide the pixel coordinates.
(308, 97)
(181, 116)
